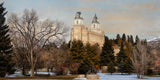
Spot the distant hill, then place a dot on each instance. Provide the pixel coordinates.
(154, 44)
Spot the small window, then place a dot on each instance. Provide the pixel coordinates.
(77, 22)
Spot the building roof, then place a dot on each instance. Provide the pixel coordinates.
(78, 15)
(95, 19)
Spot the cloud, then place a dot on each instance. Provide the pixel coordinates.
(127, 17)
(135, 18)
(89, 9)
(117, 16)
(92, 0)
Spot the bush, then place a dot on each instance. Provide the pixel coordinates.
(61, 69)
(149, 72)
(111, 68)
(159, 72)
(2, 73)
(83, 69)
(74, 68)
(12, 71)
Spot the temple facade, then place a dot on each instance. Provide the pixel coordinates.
(92, 34)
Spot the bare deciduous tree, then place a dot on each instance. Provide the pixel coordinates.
(35, 34)
(19, 55)
(140, 59)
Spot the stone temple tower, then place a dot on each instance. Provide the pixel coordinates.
(95, 23)
(79, 31)
(78, 18)
(91, 34)
(95, 34)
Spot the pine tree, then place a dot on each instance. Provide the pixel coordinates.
(137, 39)
(132, 41)
(118, 37)
(77, 51)
(107, 54)
(121, 56)
(128, 38)
(124, 58)
(6, 64)
(121, 67)
(84, 67)
(128, 66)
(111, 68)
(118, 40)
(145, 42)
(92, 56)
(123, 37)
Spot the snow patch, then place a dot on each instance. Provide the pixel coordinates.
(118, 76)
(16, 74)
(154, 39)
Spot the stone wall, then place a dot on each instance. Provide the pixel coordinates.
(80, 32)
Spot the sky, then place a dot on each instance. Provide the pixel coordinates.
(136, 17)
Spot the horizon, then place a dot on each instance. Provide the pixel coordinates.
(132, 17)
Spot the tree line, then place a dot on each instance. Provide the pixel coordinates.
(134, 55)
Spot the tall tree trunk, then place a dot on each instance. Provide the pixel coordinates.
(23, 71)
(138, 75)
(32, 64)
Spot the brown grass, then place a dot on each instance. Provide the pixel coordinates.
(60, 77)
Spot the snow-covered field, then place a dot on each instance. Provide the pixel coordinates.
(118, 76)
(103, 76)
(18, 74)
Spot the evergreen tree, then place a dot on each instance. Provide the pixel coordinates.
(128, 49)
(128, 38)
(118, 37)
(90, 61)
(77, 51)
(92, 56)
(111, 68)
(123, 37)
(132, 41)
(6, 64)
(84, 67)
(121, 67)
(145, 42)
(128, 66)
(137, 39)
(121, 56)
(107, 54)
(118, 40)
(124, 58)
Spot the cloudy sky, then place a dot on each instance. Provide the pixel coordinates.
(137, 17)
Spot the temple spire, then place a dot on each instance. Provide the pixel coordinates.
(78, 19)
(95, 19)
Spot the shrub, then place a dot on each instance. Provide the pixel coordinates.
(149, 72)
(111, 68)
(61, 69)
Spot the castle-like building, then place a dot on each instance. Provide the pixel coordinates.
(92, 34)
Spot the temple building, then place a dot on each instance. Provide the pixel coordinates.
(92, 34)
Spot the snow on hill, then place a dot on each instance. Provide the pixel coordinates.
(154, 43)
(154, 39)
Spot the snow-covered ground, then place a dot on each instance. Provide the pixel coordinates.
(118, 76)
(19, 74)
(45, 73)
(103, 76)
(16, 74)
